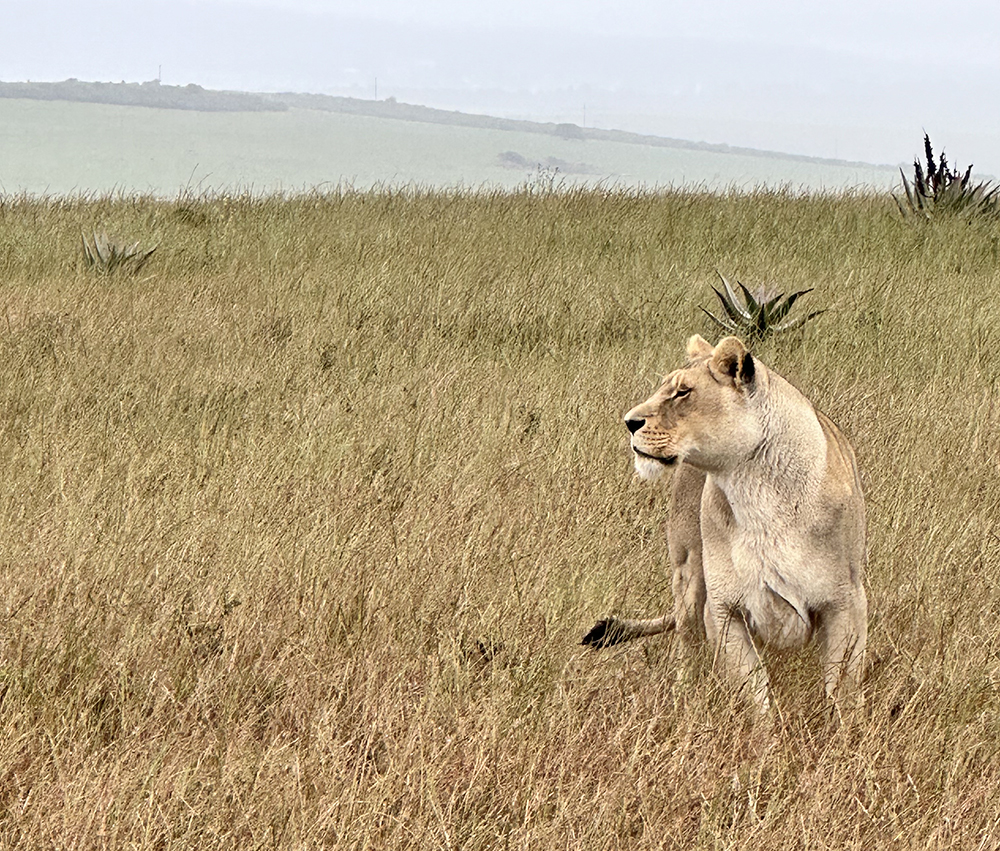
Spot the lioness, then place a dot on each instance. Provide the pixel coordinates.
(767, 526)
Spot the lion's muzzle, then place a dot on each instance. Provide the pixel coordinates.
(667, 461)
(633, 425)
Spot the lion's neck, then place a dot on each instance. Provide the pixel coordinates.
(783, 475)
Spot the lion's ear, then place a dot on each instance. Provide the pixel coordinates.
(698, 348)
(732, 359)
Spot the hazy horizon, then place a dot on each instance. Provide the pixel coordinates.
(857, 81)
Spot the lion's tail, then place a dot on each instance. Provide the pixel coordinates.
(613, 630)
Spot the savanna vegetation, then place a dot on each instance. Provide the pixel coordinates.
(304, 518)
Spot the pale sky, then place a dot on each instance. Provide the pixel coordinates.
(853, 80)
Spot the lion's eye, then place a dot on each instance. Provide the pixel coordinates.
(682, 392)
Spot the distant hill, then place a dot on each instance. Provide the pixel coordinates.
(77, 136)
(150, 93)
(155, 95)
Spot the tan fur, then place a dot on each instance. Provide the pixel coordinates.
(767, 527)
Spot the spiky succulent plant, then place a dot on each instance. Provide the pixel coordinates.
(108, 255)
(756, 316)
(940, 189)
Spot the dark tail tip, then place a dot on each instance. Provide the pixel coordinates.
(604, 633)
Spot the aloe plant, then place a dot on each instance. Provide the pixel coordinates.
(939, 188)
(107, 255)
(756, 316)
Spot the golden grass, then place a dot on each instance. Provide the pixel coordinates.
(302, 526)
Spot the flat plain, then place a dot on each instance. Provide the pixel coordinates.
(303, 524)
(59, 147)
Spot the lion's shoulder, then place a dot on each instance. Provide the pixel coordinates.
(841, 463)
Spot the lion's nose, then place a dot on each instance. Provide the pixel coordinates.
(634, 425)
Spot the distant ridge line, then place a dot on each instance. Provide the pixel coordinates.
(153, 94)
(390, 108)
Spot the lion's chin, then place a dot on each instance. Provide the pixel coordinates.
(648, 467)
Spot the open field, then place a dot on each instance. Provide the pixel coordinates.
(302, 526)
(58, 147)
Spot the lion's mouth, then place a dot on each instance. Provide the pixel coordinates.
(669, 461)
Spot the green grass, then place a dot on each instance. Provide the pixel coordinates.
(58, 148)
(303, 525)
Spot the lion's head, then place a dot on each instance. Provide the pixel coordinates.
(702, 413)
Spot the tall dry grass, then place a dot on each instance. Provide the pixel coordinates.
(302, 527)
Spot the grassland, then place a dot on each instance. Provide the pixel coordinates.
(302, 527)
(58, 147)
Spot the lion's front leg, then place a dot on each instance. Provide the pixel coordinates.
(842, 634)
(737, 656)
(685, 550)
